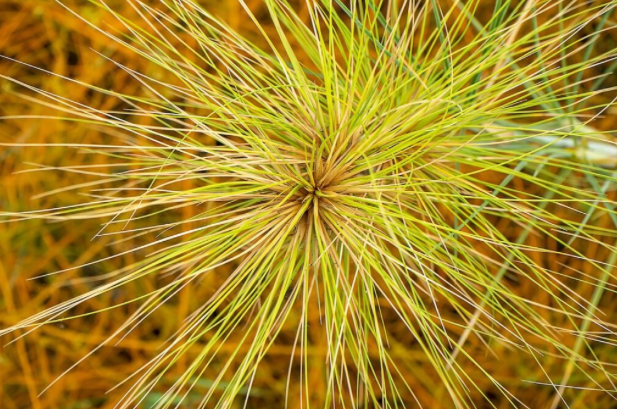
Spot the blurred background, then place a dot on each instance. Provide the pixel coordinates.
(43, 34)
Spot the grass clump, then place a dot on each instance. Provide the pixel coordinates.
(377, 164)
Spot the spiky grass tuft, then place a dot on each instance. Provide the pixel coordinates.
(366, 166)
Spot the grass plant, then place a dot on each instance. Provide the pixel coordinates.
(365, 164)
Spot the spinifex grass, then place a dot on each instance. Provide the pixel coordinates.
(359, 167)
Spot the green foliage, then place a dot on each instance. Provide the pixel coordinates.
(359, 163)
